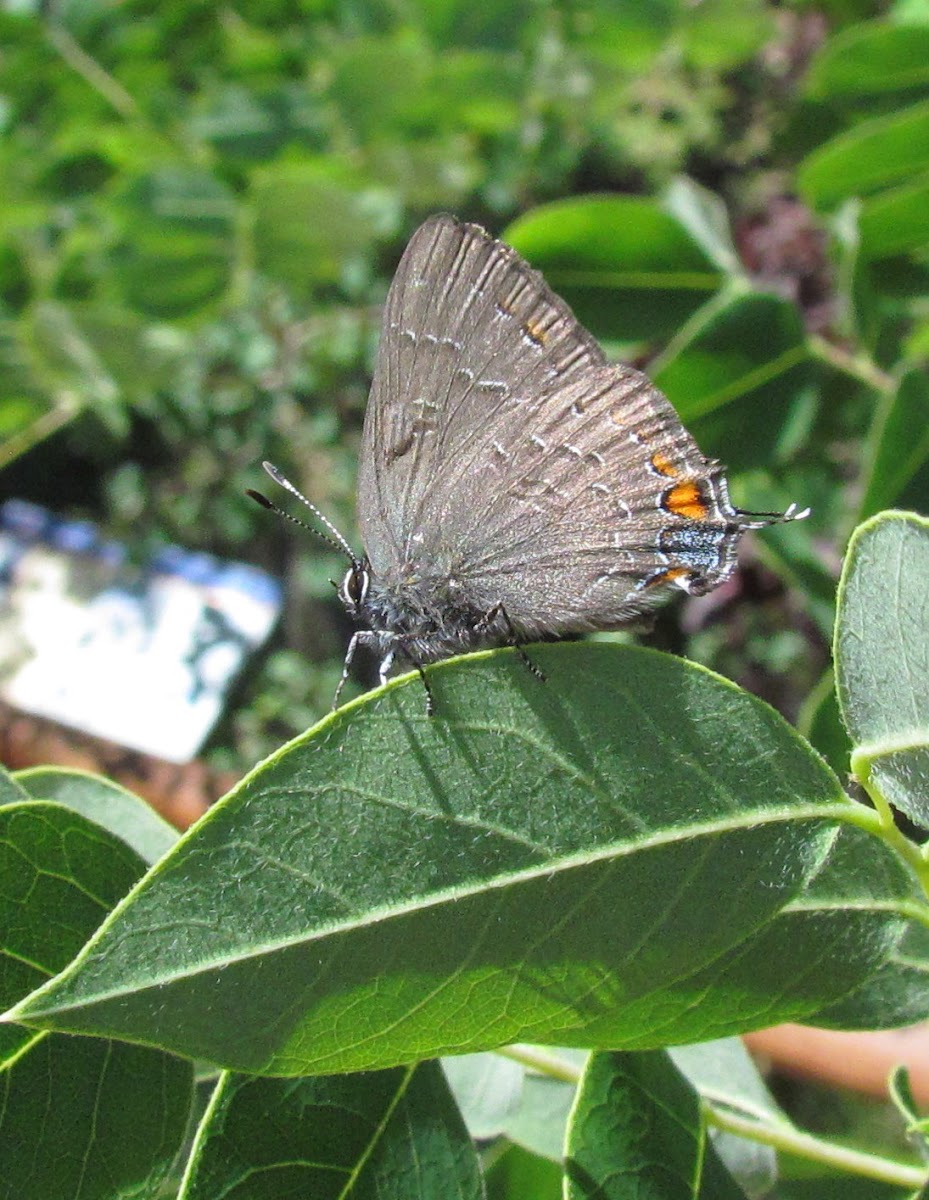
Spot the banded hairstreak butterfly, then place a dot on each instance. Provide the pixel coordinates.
(513, 484)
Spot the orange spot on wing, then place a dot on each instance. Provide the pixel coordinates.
(535, 333)
(663, 465)
(686, 500)
(668, 576)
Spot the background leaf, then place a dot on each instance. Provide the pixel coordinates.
(900, 442)
(882, 657)
(628, 269)
(637, 1128)
(106, 804)
(388, 1133)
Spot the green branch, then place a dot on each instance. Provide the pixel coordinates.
(794, 1141)
(859, 365)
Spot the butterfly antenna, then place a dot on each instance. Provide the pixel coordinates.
(336, 541)
(761, 520)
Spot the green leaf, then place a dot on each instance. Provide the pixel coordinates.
(631, 34)
(518, 1173)
(737, 375)
(61, 875)
(882, 658)
(870, 59)
(750, 346)
(179, 241)
(374, 1135)
(899, 443)
(106, 804)
(821, 723)
(90, 1118)
(876, 154)
(630, 270)
(896, 995)
(862, 871)
(725, 33)
(725, 1075)
(556, 849)
(844, 928)
(309, 218)
(704, 215)
(78, 1116)
(637, 1129)
(896, 221)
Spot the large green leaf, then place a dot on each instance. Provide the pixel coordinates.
(373, 1135)
(882, 151)
(882, 658)
(895, 997)
(863, 871)
(89, 1118)
(630, 270)
(557, 850)
(752, 345)
(842, 930)
(869, 59)
(78, 1116)
(896, 221)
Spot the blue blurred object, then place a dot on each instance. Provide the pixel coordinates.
(144, 657)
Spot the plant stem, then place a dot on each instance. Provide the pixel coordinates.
(780, 1136)
(90, 70)
(542, 1061)
(795, 1141)
(859, 365)
(66, 408)
(881, 822)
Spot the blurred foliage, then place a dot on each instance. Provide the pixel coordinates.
(202, 207)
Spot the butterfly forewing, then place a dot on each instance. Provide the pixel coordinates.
(470, 333)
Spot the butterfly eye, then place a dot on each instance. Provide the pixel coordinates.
(354, 588)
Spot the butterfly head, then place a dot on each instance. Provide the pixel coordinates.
(354, 588)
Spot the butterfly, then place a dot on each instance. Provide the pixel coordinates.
(513, 484)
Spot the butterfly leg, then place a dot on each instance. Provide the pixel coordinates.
(346, 667)
(512, 638)
(362, 637)
(427, 688)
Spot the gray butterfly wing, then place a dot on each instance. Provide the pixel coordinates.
(582, 513)
(463, 323)
(502, 452)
